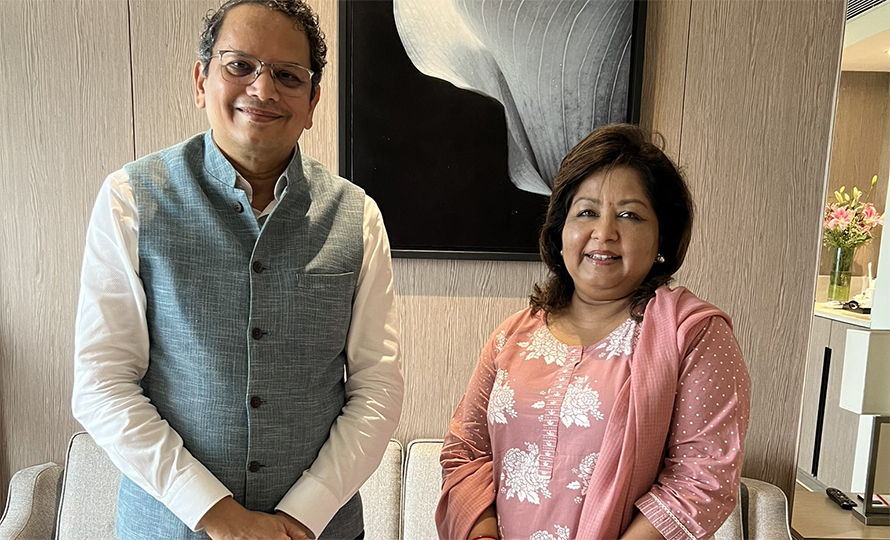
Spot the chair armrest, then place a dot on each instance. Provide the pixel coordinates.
(31, 506)
(767, 511)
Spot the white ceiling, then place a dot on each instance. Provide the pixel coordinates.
(867, 40)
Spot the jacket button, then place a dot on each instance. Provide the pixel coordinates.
(255, 401)
(254, 466)
(237, 207)
(258, 267)
(256, 333)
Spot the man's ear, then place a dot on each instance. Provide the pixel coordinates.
(312, 106)
(199, 85)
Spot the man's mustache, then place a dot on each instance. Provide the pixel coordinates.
(259, 105)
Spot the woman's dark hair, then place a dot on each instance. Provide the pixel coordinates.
(296, 10)
(616, 145)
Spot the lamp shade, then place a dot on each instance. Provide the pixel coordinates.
(865, 386)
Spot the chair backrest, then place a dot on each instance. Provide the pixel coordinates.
(423, 481)
(732, 527)
(89, 492)
(381, 494)
(422, 485)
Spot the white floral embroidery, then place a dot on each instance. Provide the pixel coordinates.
(584, 472)
(621, 341)
(520, 475)
(562, 533)
(500, 341)
(580, 400)
(500, 401)
(544, 345)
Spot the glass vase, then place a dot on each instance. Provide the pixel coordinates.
(839, 279)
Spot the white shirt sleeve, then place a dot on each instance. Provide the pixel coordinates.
(374, 388)
(111, 357)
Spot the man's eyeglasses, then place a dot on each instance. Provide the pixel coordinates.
(243, 69)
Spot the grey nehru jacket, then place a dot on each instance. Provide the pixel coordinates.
(247, 325)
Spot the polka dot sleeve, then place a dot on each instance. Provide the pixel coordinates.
(468, 484)
(697, 488)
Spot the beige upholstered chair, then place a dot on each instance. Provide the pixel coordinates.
(762, 514)
(81, 503)
(47, 502)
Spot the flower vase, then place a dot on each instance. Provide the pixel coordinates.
(839, 279)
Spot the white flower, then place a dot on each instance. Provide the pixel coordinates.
(500, 401)
(621, 341)
(580, 400)
(500, 341)
(562, 533)
(584, 472)
(544, 345)
(520, 475)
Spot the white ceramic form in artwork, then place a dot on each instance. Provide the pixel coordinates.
(559, 67)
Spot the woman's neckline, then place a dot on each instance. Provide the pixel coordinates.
(549, 328)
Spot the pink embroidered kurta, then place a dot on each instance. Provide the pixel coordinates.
(531, 427)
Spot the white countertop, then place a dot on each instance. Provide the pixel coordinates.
(826, 311)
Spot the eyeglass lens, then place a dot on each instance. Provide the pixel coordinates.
(241, 68)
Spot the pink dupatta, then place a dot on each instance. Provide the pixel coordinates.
(633, 447)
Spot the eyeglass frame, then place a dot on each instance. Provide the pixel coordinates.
(263, 65)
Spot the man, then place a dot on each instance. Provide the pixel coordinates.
(212, 340)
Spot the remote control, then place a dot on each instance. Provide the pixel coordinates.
(840, 498)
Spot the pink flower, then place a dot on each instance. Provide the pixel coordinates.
(839, 218)
(870, 216)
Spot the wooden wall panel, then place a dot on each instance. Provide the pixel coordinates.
(747, 118)
(755, 137)
(664, 70)
(165, 43)
(65, 116)
(860, 148)
(164, 39)
(448, 309)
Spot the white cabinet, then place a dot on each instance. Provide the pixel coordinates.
(827, 433)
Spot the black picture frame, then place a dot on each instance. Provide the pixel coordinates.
(431, 155)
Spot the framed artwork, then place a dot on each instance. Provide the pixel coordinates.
(455, 114)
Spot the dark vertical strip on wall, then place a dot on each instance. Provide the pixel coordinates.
(132, 77)
(683, 101)
(820, 415)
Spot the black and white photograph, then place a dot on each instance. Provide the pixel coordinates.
(456, 113)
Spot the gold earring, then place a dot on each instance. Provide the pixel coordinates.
(659, 258)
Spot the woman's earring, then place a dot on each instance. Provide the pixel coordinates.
(659, 258)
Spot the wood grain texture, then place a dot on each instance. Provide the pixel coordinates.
(754, 118)
(165, 36)
(756, 129)
(840, 427)
(65, 113)
(448, 310)
(820, 338)
(860, 148)
(664, 70)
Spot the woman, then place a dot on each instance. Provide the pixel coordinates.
(614, 406)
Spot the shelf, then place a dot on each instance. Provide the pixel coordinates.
(841, 315)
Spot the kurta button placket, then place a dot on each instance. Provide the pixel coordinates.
(254, 466)
(256, 333)
(255, 402)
